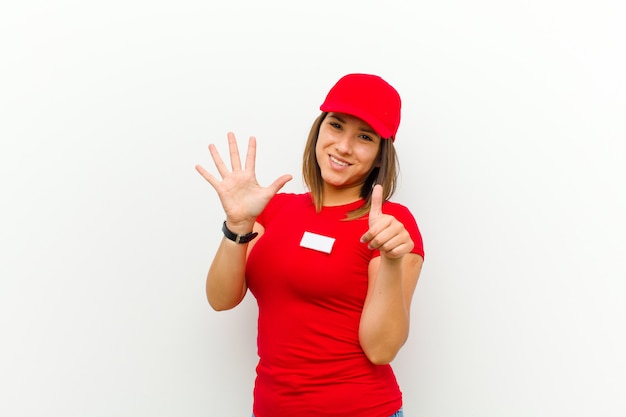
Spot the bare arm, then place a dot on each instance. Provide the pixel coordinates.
(226, 283)
(392, 278)
(243, 199)
(386, 314)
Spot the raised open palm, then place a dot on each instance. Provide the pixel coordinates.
(241, 196)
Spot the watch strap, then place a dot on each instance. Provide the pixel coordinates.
(238, 238)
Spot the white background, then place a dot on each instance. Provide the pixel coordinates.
(512, 155)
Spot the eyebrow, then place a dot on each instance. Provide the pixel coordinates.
(362, 127)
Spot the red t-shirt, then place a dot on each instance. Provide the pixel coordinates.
(310, 302)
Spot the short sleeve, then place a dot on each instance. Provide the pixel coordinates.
(404, 216)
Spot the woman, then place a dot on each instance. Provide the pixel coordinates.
(333, 270)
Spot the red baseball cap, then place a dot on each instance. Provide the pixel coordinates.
(368, 97)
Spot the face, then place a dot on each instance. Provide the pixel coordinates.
(346, 150)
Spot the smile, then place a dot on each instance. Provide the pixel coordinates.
(338, 162)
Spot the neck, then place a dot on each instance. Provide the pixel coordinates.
(332, 196)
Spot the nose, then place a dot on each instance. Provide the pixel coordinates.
(343, 144)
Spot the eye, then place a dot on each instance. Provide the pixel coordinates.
(367, 138)
(335, 125)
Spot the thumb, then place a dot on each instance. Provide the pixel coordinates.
(376, 208)
(279, 183)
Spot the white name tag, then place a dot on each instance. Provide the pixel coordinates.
(317, 242)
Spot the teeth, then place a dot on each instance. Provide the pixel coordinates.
(338, 162)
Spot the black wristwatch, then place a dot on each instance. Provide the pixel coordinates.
(238, 238)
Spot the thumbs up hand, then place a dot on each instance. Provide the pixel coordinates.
(385, 232)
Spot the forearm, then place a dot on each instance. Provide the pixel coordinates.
(385, 319)
(242, 199)
(226, 283)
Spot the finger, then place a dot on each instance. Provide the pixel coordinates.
(279, 183)
(398, 251)
(207, 176)
(379, 232)
(376, 208)
(392, 244)
(251, 155)
(387, 241)
(376, 226)
(217, 160)
(235, 160)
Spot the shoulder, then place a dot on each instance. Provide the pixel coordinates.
(404, 216)
(397, 209)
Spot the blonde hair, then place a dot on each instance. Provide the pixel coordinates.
(384, 173)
